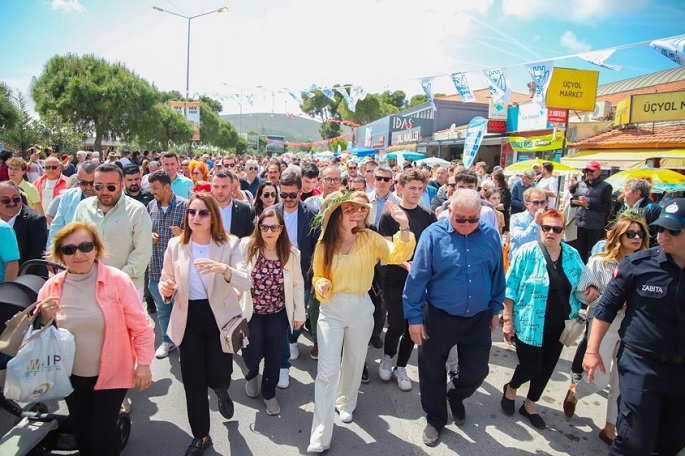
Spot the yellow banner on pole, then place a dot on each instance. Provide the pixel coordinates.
(658, 107)
(537, 143)
(622, 116)
(572, 89)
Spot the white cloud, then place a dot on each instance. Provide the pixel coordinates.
(68, 6)
(572, 43)
(580, 11)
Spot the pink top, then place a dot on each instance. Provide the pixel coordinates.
(128, 334)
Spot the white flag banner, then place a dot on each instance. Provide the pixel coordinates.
(462, 85)
(541, 73)
(355, 93)
(346, 96)
(598, 58)
(500, 89)
(427, 84)
(672, 48)
(328, 93)
(295, 96)
(361, 93)
(308, 94)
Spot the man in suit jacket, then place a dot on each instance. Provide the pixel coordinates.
(238, 217)
(29, 226)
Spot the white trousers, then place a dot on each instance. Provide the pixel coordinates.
(345, 325)
(608, 350)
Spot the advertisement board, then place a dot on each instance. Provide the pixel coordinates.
(572, 89)
(657, 107)
(192, 114)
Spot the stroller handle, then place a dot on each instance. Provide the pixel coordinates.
(39, 262)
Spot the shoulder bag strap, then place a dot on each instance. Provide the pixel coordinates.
(549, 260)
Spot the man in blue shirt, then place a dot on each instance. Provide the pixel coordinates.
(453, 296)
(180, 184)
(524, 227)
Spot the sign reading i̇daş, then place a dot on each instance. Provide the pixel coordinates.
(572, 89)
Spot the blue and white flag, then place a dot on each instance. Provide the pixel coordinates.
(598, 58)
(427, 84)
(463, 87)
(541, 73)
(357, 93)
(328, 93)
(346, 96)
(500, 88)
(672, 48)
(295, 96)
(474, 136)
(250, 99)
(308, 94)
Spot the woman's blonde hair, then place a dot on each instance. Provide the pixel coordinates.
(54, 253)
(613, 245)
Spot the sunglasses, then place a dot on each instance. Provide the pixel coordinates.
(229, 165)
(86, 183)
(556, 229)
(288, 195)
(202, 212)
(7, 200)
(269, 194)
(71, 249)
(452, 185)
(252, 169)
(110, 187)
(353, 210)
(537, 203)
(332, 180)
(661, 229)
(630, 234)
(273, 228)
(471, 220)
(351, 167)
(384, 179)
(51, 166)
(218, 166)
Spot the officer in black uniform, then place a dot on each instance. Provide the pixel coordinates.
(651, 360)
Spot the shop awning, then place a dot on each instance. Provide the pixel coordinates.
(625, 159)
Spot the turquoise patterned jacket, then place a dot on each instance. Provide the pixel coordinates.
(528, 287)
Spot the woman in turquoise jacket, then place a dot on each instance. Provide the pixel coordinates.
(539, 299)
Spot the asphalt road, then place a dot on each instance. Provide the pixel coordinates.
(387, 421)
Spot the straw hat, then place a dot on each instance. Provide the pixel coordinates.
(329, 205)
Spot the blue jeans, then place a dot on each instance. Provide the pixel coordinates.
(163, 309)
(291, 338)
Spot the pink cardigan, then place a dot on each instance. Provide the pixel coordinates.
(128, 334)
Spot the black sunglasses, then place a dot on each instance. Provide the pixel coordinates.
(452, 185)
(288, 195)
(274, 228)
(661, 229)
(630, 234)
(384, 179)
(556, 229)
(71, 249)
(269, 194)
(110, 187)
(202, 212)
(86, 183)
(7, 200)
(51, 166)
(251, 169)
(537, 203)
(467, 220)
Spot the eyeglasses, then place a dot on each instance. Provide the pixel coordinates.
(661, 229)
(537, 203)
(384, 179)
(14, 169)
(51, 166)
(288, 195)
(471, 220)
(452, 185)
(630, 234)
(273, 228)
(202, 213)
(110, 187)
(86, 183)
(7, 200)
(351, 168)
(332, 180)
(269, 194)
(251, 168)
(353, 210)
(556, 229)
(230, 165)
(70, 249)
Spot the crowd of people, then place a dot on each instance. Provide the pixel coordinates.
(359, 254)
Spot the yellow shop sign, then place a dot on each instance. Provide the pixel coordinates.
(572, 89)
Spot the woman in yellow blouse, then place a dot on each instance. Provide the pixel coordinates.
(343, 269)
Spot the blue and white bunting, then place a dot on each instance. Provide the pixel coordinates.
(672, 48)
(462, 85)
(474, 136)
(541, 73)
(295, 96)
(328, 93)
(427, 84)
(346, 96)
(598, 58)
(500, 88)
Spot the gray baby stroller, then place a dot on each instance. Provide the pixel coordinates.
(36, 432)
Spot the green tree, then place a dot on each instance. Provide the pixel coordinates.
(98, 97)
(53, 130)
(165, 127)
(213, 104)
(338, 142)
(22, 134)
(324, 109)
(420, 99)
(397, 98)
(9, 114)
(367, 110)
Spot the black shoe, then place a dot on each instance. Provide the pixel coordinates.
(225, 404)
(365, 373)
(458, 411)
(535, 420)
(198, 446)
(376, 342)
(508, 405)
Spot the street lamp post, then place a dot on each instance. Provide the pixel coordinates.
(189, 18)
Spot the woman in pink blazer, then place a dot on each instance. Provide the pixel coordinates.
(203, 271)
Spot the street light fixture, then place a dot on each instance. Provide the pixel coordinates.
(223, 9)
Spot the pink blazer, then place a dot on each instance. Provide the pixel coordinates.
(128, 334)
(223, 296)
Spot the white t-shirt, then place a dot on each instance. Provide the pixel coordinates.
(550, 184)
(48, 193)
(291, 227)
(196, 289)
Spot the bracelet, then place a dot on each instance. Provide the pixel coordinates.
(590, 353)
(404, 230)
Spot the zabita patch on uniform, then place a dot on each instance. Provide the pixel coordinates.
(649, 290)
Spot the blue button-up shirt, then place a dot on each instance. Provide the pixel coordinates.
(462, 275)
(69, 199)
(522, 230)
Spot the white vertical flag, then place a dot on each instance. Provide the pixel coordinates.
(463, 87)
(346, 96)
(427, 84)
(598, 58)
(672, 48)
(499, 84)
(541, 73)
(356, 94)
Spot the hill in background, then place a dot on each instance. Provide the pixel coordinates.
(297, 129)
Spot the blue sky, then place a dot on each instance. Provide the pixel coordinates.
(263, 46)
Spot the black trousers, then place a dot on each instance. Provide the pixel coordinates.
(473, 340)
(651, 407)
(266, 342)
(379, 307)
(398, 329)
(93, 416)
(536, 364)
(586, 240)
(203, 364)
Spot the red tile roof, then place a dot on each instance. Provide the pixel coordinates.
(630, 138)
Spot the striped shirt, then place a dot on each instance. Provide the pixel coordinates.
(162, 221)
(598, 272)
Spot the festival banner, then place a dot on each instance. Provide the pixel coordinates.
(346, 96)
(462, 85)
(537, 143)
(474, 136)
(541, 73)
(295, 96)
(427, 84)
(328, 93)
(500, 89)
(672, 48)
(598, 58)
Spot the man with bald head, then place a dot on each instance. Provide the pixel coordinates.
(51, 183)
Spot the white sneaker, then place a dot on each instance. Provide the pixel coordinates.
(403, 381)
(284, 379)
(294, 351)
(345, 417)
(385, 368)
(164, 350)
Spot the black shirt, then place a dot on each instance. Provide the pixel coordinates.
(558, 307)
(144, 196)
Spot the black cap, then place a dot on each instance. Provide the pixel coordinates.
(672, 216)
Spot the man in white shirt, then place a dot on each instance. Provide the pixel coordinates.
(549, 184)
